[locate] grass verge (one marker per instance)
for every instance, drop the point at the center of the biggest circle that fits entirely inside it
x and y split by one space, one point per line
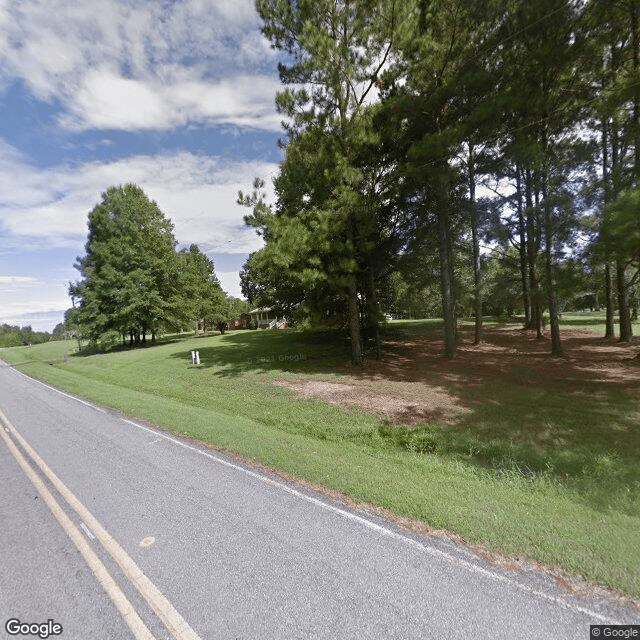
569 502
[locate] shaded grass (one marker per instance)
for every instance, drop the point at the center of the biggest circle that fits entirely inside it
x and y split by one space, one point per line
593 321
589 320
548 474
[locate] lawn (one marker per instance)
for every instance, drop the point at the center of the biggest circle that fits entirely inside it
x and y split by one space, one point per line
513 450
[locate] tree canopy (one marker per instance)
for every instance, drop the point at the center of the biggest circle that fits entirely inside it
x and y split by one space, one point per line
134 282
400 114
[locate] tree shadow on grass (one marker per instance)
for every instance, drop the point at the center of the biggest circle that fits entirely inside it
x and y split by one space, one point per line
583 322
260 351
573 420
90 349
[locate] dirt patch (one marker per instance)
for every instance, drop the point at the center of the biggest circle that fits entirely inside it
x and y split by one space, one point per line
413 384
407 403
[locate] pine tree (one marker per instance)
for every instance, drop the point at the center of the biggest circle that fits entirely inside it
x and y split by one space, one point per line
615 33
336 51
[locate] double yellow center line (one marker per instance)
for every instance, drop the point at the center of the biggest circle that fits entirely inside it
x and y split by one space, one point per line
171 619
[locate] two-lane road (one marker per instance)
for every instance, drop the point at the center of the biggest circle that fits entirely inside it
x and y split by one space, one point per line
200 546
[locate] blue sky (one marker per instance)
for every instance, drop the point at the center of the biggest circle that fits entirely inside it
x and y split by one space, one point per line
174 95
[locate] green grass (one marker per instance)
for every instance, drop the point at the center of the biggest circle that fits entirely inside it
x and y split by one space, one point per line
530 470
593 321
587 320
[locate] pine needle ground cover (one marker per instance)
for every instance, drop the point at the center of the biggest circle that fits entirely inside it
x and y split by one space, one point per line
513 450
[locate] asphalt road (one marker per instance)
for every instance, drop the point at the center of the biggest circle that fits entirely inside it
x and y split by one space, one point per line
227 551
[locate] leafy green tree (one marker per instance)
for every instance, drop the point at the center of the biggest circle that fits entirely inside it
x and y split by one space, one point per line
129 282
620 238
545 83
615 37
72 322
621 227
281 275
202 296
265 283
14 336
502 281
335 51
59 332
230 309
577 285
433 95
409 300
11 336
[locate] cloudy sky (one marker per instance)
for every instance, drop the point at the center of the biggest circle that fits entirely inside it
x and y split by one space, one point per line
174 95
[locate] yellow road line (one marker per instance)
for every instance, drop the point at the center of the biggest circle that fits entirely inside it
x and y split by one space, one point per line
137 626
172 620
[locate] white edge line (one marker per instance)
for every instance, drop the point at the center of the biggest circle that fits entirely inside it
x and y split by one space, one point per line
66 395
351 516
383 530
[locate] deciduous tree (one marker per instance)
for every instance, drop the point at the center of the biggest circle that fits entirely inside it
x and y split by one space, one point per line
128 274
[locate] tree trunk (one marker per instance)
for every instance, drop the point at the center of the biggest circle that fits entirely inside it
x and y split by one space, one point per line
354 307
373 311
626 332
532 255
526 293
354 322
635 45
477 278
446 281
552 298
608 289
537 221
477 273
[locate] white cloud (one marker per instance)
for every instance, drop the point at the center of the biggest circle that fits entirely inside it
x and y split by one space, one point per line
48 210
50 207
230 282
106 100
37 320
133 65
37 302
122 65
17 281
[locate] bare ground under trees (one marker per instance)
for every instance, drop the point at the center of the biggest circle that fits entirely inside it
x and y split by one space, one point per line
413 384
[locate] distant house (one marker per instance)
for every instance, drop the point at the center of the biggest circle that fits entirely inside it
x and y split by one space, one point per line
266 318
242 322
330 318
